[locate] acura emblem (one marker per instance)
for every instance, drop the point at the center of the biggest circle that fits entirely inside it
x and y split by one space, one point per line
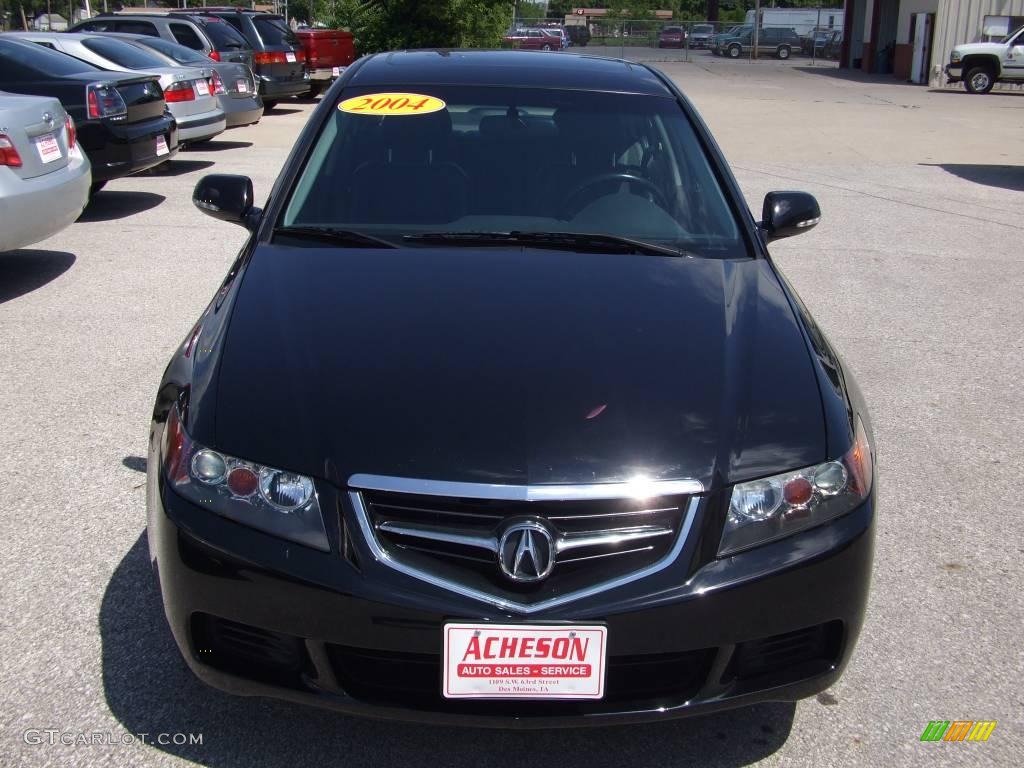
526 552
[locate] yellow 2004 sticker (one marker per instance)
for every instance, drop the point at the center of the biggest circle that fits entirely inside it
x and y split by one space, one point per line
392 104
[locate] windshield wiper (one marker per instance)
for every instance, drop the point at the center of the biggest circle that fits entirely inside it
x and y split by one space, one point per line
335 235
576 241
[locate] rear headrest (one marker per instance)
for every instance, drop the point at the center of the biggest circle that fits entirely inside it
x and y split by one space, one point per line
429 130
572 123
501 127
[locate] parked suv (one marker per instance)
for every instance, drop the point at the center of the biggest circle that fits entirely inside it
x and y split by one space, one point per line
209 35
578 34
700 34
776 41
279 62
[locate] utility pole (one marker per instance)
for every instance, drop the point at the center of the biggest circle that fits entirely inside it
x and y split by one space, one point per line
757 24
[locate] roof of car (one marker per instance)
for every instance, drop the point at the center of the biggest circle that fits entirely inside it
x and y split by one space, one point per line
527 69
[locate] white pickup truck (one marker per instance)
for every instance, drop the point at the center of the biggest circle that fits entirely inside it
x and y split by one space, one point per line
982 65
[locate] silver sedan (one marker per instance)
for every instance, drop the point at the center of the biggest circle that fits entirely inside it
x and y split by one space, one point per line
44 175
187 90
234 83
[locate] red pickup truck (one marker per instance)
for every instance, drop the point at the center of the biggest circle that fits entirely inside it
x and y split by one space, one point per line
328 52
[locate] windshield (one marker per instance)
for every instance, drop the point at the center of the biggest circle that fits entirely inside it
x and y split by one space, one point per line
123 54
523 160
176 53
1009 37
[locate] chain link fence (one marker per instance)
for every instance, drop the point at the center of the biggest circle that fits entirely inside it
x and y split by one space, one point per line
646 40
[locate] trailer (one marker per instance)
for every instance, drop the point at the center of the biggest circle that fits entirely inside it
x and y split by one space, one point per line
802 20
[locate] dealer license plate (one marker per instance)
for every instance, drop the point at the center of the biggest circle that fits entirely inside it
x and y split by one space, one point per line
202 88
523 661
289 57
335 71
47 147
241 86
161 146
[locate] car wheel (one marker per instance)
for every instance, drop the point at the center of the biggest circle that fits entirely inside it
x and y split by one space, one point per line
269 104
734 51
979 80
546 47
783 52
96 186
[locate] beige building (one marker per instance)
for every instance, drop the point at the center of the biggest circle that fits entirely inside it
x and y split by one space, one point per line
881 34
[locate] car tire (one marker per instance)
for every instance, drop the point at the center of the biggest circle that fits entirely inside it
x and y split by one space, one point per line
782 52
735 51
269 104
96 186
979 80
546 47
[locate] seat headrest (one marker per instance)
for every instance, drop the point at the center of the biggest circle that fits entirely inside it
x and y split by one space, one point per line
421 130
501 127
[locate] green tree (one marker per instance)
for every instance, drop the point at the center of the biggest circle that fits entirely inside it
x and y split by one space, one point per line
382 25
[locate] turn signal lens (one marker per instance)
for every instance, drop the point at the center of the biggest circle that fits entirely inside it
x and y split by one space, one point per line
178 92
72 132
281 503
242 482
104 101
216 85
8 154
773 507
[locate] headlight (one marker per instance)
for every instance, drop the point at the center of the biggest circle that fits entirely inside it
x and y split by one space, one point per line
954 57
773 507
280 503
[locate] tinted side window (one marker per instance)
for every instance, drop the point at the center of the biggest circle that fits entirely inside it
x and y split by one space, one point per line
234 22
224 36
273 31
185 35
137 27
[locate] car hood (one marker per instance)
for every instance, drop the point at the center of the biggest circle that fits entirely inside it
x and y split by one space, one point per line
515 366
969 48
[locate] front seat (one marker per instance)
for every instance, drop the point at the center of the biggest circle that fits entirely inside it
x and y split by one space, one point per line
411 180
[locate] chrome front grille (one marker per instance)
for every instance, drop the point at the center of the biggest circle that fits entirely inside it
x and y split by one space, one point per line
523 547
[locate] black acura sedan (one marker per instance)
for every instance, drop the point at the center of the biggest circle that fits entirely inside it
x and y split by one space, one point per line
504 416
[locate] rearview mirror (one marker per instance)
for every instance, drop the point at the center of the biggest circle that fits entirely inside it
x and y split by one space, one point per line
788 213
227 197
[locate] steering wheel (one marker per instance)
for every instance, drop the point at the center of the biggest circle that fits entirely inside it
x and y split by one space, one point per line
605 178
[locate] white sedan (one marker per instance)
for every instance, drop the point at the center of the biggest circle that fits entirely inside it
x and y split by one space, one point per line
44 175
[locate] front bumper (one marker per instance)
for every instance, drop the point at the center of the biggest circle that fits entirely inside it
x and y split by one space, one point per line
33 209
954 73
346 632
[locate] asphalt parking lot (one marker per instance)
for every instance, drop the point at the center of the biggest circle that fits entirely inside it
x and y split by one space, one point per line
916 272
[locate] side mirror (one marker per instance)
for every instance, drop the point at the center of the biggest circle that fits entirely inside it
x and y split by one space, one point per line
227 197
788 213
